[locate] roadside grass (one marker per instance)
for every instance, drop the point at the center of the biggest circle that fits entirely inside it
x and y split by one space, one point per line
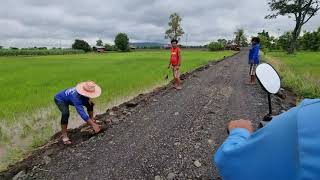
28 116
299 72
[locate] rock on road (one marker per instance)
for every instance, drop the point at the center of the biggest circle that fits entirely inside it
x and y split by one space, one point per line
174 136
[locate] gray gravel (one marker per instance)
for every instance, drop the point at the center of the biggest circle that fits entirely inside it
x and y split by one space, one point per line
171 135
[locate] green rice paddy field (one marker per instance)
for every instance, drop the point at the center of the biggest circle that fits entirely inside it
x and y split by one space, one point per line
300 72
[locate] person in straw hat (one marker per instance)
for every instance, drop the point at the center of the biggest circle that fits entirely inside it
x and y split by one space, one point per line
78 96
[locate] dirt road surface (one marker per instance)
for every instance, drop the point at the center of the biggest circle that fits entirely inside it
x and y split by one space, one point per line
167 134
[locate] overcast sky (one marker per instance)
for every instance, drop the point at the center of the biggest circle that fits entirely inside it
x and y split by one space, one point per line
27 23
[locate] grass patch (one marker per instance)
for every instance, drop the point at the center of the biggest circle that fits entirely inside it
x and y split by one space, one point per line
28 113
299 72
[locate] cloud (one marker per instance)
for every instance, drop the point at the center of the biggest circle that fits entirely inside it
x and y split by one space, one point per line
27 23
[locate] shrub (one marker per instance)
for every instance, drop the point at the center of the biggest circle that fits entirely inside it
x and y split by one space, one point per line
215 46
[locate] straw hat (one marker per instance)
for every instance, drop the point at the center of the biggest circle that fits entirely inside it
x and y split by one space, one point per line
89 89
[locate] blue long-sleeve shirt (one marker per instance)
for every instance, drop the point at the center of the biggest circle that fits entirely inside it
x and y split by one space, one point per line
288 148
72 97
254 54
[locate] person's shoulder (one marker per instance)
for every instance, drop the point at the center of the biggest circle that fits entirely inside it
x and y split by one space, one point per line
310 102
76 97
309 109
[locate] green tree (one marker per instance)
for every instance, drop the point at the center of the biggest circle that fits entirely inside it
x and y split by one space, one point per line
175 30
223 41
122 42
109 47
82 45
1 47
265 41
318 36
273 43
99 42
240 39
265 34
302 10
215 46
310 41
285 40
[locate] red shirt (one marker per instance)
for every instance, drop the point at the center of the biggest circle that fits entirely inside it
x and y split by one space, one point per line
175 56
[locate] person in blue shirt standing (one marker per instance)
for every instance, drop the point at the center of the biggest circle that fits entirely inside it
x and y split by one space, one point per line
254 59
78 97
287 148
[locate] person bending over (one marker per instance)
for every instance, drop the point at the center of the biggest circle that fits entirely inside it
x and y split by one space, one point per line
78 96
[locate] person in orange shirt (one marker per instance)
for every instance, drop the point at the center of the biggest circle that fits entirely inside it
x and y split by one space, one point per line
175 62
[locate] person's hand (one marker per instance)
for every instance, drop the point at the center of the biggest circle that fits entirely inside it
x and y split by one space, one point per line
96 128
246 124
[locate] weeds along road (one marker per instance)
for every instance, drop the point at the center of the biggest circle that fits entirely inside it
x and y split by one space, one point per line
169 134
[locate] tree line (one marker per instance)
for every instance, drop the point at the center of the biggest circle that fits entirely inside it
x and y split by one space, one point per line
37 51
308 41
121 44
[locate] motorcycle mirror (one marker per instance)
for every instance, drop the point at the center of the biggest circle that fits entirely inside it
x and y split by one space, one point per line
268 78
270 81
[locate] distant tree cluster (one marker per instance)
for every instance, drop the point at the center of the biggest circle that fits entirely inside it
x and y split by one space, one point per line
82 45
121 44
110 47
241 39
99 42
216 46
301 10
309 41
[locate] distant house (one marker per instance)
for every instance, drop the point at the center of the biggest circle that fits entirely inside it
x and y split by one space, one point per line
99 49
167 46
132 47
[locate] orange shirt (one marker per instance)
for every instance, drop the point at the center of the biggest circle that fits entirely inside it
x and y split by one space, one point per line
175 56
